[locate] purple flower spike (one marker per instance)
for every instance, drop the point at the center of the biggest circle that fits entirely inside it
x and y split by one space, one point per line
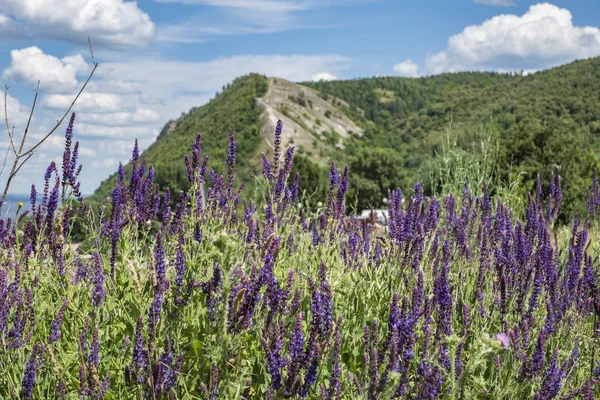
160 266
94 358
277 146
57 323
98 292
341 194
67 172
231 157
179 266
335 385
29 376
139 359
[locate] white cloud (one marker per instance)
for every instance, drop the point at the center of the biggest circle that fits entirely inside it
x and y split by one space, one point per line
163 79
113 86
123 118
500 3
108 163
541 38
407 68
87 102
122 148
113 23
30 64
323 76
87 152
131 97
130 133
18 114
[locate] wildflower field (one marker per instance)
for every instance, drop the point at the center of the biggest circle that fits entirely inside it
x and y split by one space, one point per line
219 298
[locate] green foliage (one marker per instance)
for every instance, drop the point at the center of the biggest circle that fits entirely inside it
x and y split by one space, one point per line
232 109
374 171
473 162
541 123
313 178
412 287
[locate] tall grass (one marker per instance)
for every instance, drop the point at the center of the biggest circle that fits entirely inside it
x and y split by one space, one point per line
458 299
471 163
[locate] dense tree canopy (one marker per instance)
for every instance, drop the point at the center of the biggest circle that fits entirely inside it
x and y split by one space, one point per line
541 123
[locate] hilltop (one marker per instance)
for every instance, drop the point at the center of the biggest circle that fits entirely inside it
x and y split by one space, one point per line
389 128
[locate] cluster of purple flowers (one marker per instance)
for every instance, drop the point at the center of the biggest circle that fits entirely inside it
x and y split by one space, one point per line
522 286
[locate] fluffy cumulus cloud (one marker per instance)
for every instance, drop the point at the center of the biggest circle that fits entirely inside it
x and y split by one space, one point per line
31 64
323 76
407 69
132 97
113 23
87 102
541 38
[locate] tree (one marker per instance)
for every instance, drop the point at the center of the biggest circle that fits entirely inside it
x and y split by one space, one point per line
374 172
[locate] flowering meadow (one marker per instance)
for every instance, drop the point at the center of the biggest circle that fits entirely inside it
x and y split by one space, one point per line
201 294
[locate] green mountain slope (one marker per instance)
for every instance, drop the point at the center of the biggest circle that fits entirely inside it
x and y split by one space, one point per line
234 108
389 129
251 106
544 122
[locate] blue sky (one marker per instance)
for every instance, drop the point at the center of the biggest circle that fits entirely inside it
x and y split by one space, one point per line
159 58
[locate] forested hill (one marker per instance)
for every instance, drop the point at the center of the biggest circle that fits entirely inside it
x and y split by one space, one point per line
543 122
388 129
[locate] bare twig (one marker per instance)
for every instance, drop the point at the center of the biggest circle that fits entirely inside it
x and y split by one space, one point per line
4 162
59 122
18 156
37 91
10 136
29 153
19 167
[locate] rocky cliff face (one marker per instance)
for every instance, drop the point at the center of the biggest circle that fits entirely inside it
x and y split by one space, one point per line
169 127
311 123
314 126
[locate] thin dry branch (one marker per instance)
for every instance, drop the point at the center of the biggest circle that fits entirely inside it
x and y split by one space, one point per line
4 162
19 167
10 136
29 153
37 92
64 115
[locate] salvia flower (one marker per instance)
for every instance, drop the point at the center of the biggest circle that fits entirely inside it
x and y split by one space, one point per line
139 358
98 292
94 357
231 156
57 323
159 263
30 370
334 381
